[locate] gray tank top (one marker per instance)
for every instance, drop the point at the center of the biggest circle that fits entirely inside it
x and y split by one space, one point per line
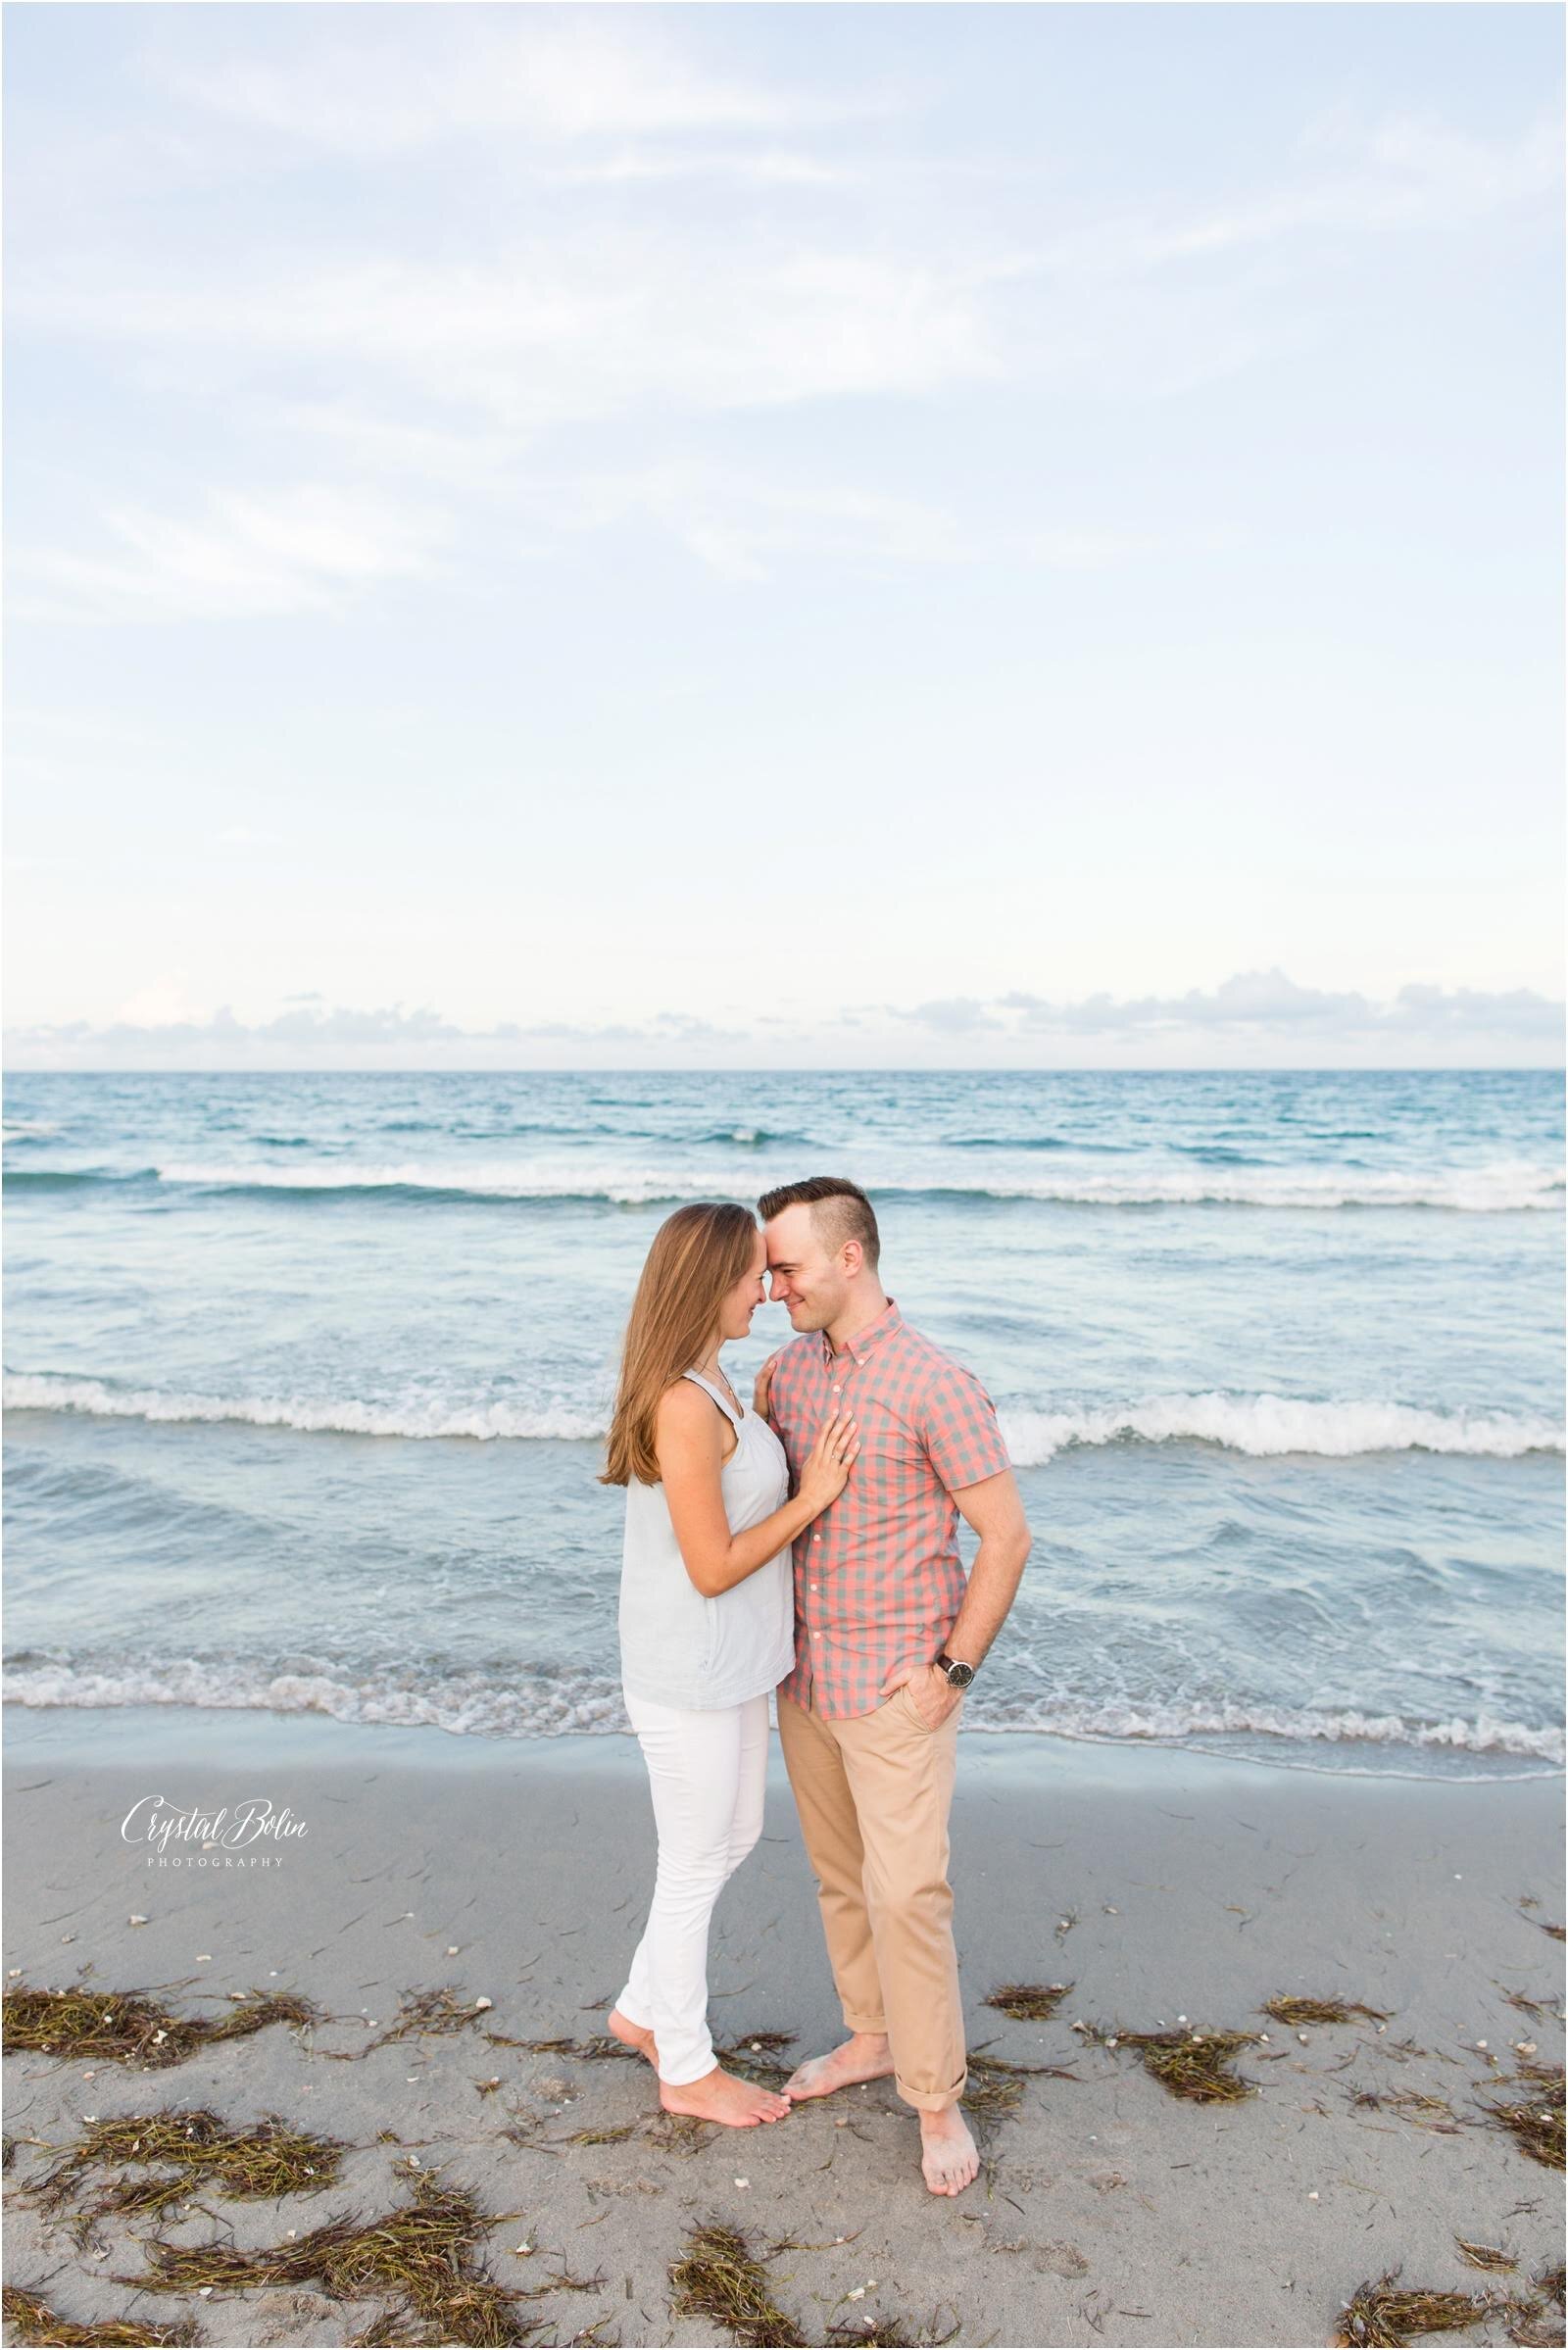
678 1647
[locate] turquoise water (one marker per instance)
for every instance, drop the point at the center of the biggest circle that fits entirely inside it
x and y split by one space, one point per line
304 1377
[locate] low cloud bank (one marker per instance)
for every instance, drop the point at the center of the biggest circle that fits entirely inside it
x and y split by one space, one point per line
1256 1018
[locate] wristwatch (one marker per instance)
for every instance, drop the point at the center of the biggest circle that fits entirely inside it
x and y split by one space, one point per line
958 1676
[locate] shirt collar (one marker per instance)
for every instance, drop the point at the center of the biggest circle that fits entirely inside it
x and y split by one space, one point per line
860 1346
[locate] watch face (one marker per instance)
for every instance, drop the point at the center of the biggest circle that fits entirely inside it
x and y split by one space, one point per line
960 1676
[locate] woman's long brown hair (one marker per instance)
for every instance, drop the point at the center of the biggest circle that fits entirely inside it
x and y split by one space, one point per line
698 1253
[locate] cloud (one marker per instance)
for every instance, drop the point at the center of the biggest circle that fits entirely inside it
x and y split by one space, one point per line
449 359
1248 1020
245 557
561 76
587 324
1347 177
1269 1004
157 1029
952 1015
740 524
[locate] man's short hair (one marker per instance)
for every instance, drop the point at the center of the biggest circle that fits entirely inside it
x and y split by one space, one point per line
840 1212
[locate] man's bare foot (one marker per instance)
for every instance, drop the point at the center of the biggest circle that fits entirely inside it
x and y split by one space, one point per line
864 2056
948 2154
633 2036
718 2096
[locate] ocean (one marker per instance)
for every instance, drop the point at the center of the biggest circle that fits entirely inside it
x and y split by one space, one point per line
306 1376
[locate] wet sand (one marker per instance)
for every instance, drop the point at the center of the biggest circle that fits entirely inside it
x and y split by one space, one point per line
1161 1886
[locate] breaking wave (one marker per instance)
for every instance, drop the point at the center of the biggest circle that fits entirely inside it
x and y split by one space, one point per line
1261 1425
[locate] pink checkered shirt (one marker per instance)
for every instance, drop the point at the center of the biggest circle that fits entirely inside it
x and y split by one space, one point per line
878 1580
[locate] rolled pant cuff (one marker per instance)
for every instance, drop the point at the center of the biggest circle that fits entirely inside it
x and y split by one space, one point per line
866 2023
684 2078
932 2101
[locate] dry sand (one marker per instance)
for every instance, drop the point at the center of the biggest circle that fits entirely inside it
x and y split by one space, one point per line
1160 1885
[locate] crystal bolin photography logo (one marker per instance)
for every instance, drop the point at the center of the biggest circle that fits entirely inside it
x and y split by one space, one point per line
245 1835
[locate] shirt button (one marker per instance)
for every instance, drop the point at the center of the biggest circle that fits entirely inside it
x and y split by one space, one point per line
838 1389
814 1586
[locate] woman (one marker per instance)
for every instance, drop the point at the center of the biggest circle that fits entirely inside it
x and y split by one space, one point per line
707 1622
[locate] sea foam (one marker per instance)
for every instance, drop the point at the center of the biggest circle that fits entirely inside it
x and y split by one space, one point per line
1498 1188
548 1706
1260 1425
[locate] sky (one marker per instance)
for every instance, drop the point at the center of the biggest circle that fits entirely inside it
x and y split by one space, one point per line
783 535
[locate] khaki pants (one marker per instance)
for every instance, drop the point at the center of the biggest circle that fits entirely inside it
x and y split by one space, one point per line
873 1792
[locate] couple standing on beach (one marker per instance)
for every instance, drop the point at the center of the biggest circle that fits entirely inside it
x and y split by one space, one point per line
862 1446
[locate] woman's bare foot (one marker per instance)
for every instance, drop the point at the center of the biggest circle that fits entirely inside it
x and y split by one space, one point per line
864 2056
633 2036
718 2096
948 2154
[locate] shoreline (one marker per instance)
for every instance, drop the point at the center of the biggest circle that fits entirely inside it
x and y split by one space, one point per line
263 1730
1156 1885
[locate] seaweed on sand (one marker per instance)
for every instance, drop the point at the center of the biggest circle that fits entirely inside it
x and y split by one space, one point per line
1377 2316
1537 2008
720 2277
1287 2007
755 2056
1528 2319
421 2012
1422 2111
420 2256
565 2283
886 2334
1484 2256
126 2027
994 2086
1029 2002
1533 2119
597 2050
1196 2064
195 2150
36 2323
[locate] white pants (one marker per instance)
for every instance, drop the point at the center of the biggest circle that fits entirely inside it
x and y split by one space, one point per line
708 1770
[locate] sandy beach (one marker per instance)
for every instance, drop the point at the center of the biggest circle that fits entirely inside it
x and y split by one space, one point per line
1167 1892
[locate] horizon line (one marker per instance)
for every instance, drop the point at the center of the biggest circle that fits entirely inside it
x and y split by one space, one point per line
857 1069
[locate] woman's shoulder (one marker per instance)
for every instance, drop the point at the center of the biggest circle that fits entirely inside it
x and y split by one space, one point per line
687 1412
684 1404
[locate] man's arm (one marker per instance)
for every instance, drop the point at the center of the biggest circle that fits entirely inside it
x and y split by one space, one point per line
994 1507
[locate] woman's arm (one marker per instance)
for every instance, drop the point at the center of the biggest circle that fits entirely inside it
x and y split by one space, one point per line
691 1460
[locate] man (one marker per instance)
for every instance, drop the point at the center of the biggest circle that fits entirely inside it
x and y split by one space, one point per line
888 1636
